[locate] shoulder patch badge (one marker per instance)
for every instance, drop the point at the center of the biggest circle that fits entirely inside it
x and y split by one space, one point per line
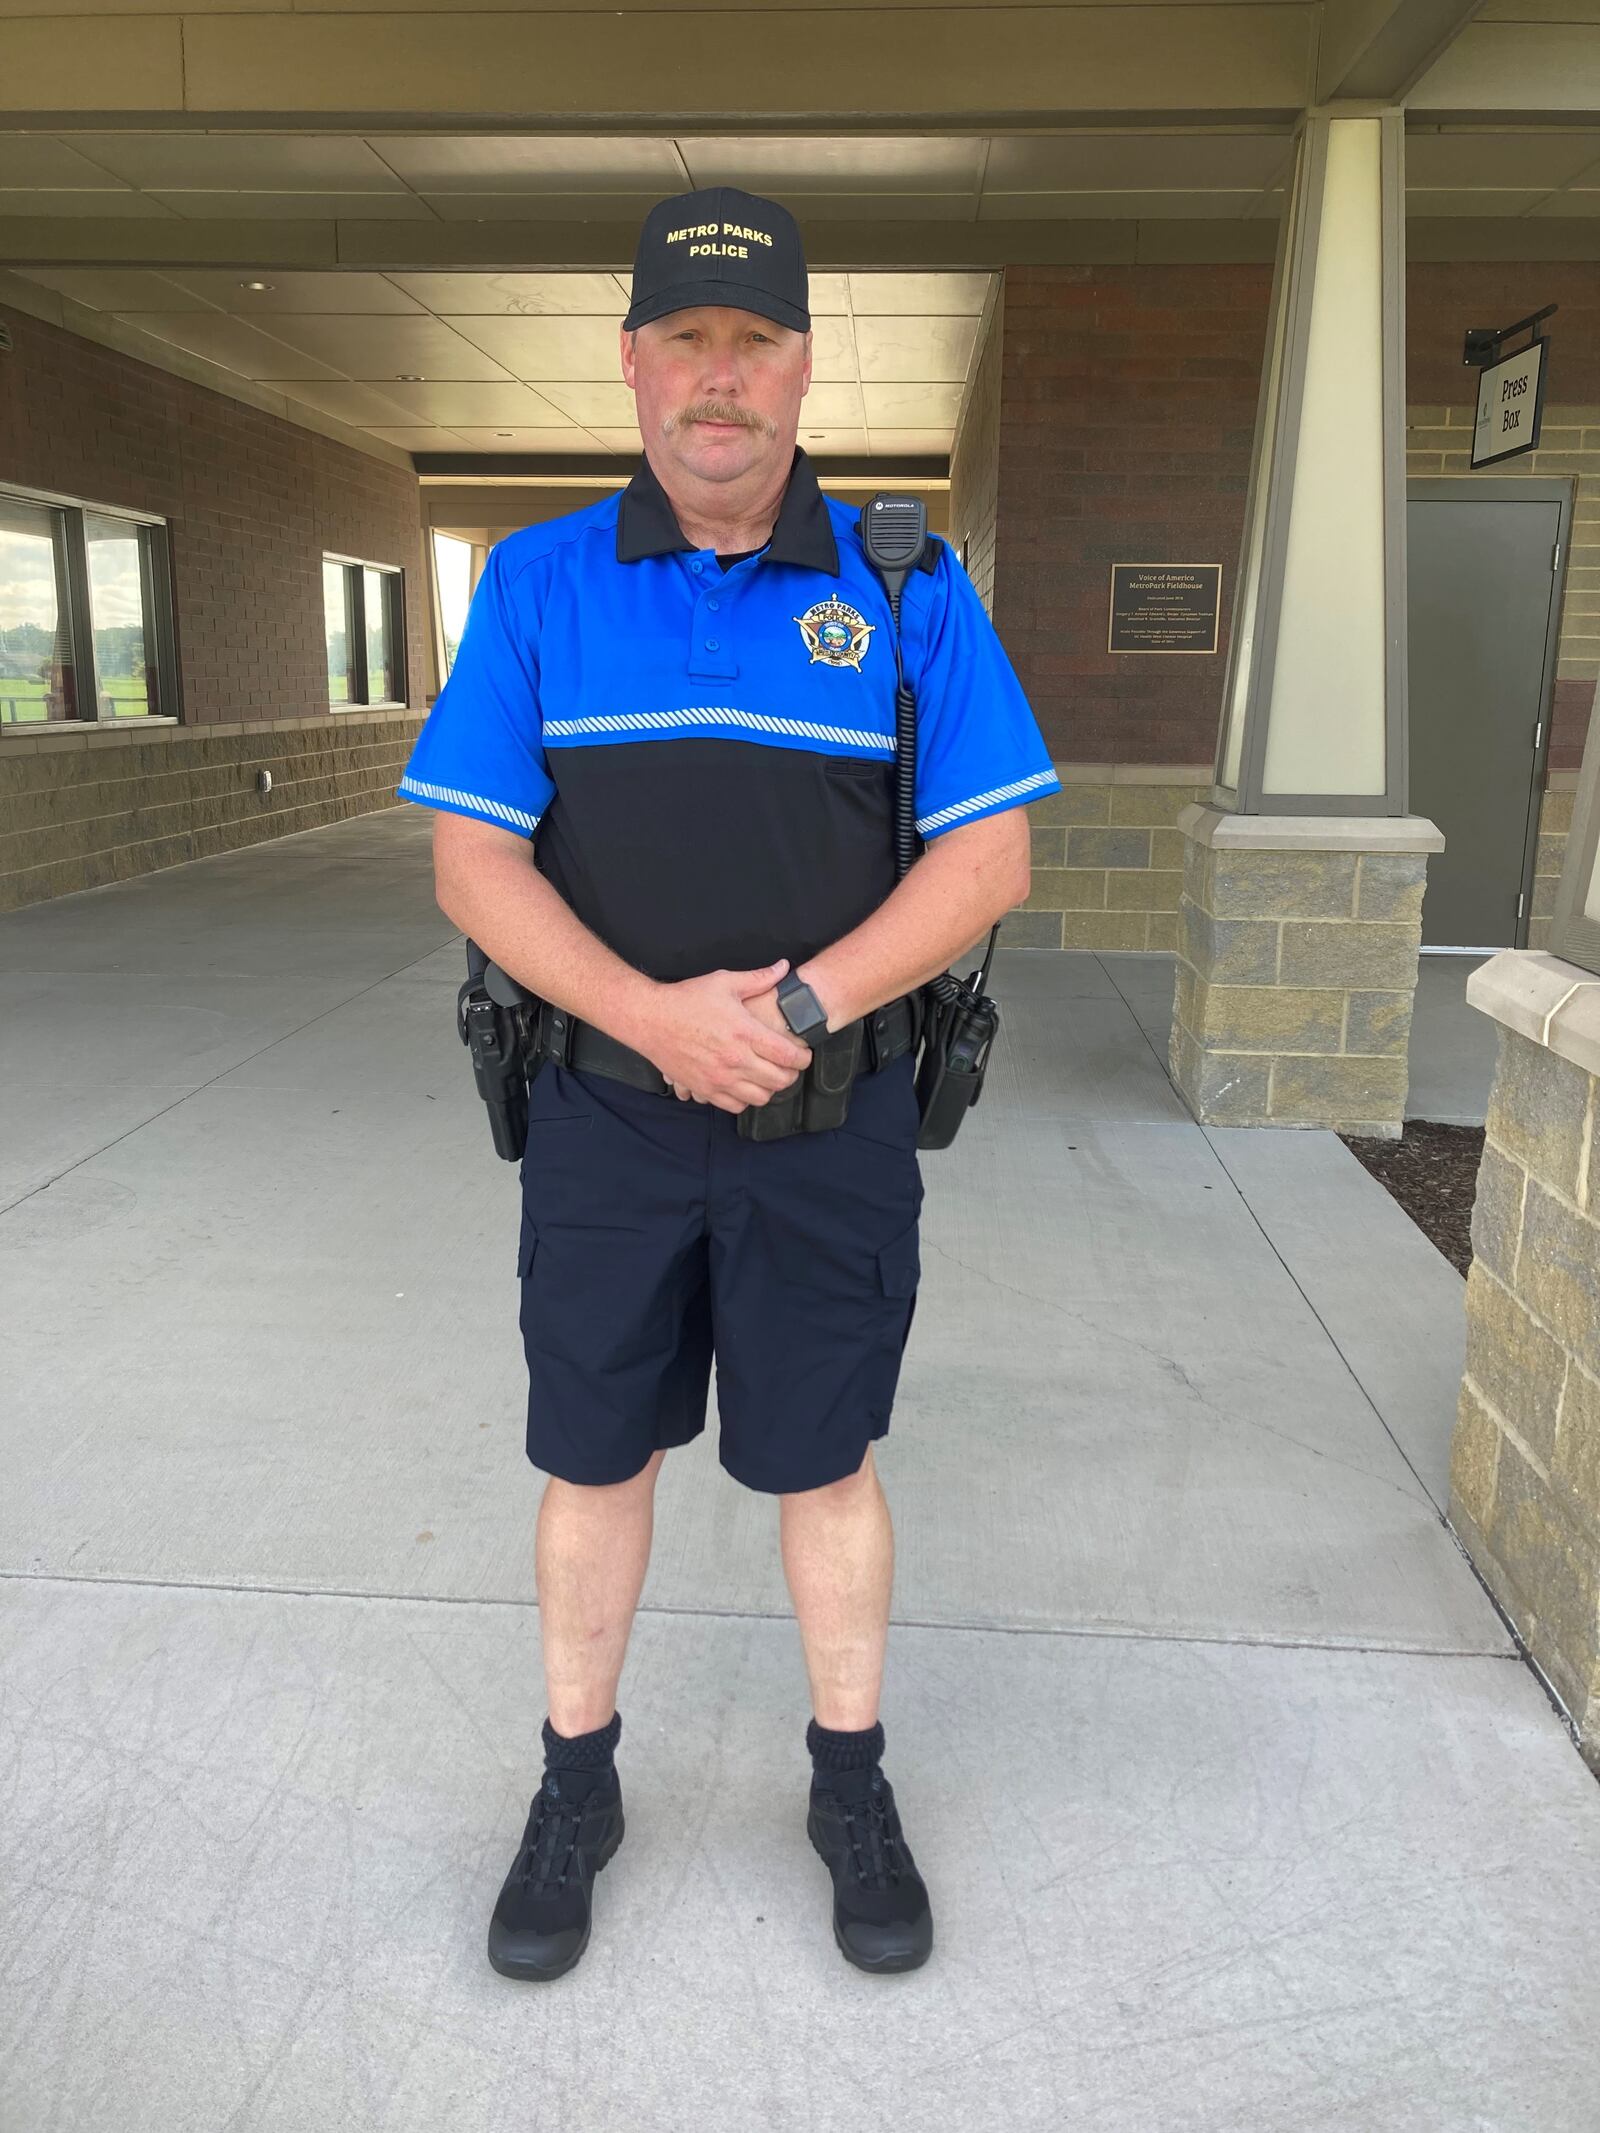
835 634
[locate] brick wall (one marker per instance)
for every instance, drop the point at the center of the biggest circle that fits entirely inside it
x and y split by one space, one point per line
1128 401
975 457
252 502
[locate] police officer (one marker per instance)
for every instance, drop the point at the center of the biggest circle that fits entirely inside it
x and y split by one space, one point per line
662 767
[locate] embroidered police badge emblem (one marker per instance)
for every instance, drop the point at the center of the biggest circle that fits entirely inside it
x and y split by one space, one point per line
835 634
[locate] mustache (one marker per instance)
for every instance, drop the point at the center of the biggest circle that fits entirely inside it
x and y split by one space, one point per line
720 411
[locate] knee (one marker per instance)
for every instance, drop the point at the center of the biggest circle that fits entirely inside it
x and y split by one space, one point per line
838 1494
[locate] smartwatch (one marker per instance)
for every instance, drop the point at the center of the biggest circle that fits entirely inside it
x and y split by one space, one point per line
801 1009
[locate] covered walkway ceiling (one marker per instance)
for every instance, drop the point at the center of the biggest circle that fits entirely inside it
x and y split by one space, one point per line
517 363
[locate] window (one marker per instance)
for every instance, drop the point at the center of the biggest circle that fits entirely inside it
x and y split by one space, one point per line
85 614
363 609
452 578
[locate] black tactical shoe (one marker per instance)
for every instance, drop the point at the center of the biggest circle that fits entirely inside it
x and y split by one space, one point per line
881 1917
540 1925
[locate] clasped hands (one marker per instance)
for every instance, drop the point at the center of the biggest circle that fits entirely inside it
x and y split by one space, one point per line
721 1039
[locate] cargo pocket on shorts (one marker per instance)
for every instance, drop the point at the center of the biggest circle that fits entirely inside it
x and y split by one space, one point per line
900 1265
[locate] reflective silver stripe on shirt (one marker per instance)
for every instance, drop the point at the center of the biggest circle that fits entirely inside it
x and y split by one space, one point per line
518 817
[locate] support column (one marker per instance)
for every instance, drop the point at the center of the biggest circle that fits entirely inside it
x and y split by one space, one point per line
1300 917
1525 1457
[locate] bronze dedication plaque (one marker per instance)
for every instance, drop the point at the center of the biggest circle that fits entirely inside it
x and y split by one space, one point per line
1164 607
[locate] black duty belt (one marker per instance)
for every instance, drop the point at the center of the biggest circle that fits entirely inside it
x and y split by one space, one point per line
860 1047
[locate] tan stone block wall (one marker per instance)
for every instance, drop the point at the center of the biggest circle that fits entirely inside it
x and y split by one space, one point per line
1525 1458
1295 977
1108 858
80 810
1555 820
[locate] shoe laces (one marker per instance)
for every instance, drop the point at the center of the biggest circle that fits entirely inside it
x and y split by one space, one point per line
874 1848
551 1838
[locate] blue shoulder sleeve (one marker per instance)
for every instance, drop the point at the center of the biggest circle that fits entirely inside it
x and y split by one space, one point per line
979 748
481 752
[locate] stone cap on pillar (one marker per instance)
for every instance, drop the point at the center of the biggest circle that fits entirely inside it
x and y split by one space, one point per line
1549 1001
1309 833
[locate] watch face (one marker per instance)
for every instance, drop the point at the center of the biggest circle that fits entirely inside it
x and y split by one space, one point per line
802 1010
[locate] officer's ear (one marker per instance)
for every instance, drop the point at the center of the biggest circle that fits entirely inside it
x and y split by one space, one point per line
629 350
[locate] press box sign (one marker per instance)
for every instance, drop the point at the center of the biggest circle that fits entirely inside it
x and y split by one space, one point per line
1510 403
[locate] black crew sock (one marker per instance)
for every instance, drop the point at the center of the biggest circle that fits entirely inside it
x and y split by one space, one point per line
844 1762
581 1760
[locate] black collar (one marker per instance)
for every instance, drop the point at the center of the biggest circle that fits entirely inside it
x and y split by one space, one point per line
803 532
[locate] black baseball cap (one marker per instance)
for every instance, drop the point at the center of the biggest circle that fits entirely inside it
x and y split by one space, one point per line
720 246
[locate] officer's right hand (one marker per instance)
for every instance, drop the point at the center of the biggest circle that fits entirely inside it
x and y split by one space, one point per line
710 1046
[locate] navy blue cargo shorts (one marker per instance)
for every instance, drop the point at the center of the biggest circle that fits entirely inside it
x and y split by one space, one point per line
655 1240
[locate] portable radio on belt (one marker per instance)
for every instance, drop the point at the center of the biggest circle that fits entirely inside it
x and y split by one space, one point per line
959 1020
954 1021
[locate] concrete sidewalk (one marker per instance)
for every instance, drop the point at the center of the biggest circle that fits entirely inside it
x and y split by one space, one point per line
1238 1808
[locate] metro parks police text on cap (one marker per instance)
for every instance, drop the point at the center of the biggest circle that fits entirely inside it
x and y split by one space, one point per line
720 246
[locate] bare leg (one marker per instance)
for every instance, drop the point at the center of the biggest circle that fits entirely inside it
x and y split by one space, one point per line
592 1551
838 1556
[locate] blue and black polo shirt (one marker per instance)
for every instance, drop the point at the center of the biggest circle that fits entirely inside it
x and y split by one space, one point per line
701 747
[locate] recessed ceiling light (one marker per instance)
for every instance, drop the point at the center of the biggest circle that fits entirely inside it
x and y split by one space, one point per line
408 377
260 287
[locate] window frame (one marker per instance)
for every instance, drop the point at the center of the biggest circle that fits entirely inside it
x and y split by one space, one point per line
153 534
354 569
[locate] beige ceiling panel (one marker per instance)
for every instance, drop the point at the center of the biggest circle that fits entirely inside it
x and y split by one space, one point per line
1522 161
416 440
357 404
611 405
809 208
503 407
1515 66
1421 201
275 207
491 295
777 62
126 206
830 294
36 159
51 64
230 342
623 441
896 349
1570 203
1123 162
117 289
561 348
557 437
911 407
529 205
1540 11
819 443
912 443
379 349
832 407
241 162
833 351
837 164
343 295
918 295
564 163
1115 207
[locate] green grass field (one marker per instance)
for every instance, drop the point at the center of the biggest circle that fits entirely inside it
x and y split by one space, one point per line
21 700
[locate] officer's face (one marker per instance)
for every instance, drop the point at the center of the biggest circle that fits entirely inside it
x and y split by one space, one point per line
718 391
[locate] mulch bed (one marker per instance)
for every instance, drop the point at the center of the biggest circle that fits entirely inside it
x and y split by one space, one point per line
1433 1172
